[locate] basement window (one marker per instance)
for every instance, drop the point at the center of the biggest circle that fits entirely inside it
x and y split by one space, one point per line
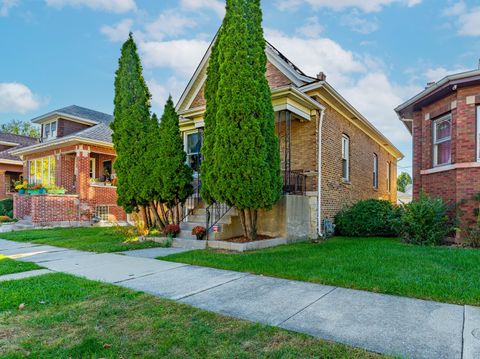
442 138
102 213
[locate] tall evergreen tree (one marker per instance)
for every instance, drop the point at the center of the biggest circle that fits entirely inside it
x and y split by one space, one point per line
246 175
211 88
132 122
175 175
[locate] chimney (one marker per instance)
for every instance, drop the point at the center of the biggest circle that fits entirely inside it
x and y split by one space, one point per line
321 76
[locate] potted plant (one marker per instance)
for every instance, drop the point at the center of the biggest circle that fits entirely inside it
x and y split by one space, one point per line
56 190
171 230
35 189
199 232
21 187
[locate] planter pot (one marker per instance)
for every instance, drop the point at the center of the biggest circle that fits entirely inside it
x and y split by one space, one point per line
200 236
21 191
56 191
42 191
33 191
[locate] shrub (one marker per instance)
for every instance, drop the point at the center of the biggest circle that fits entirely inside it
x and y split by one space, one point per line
472 236
6 207
425 221
5 219
368 218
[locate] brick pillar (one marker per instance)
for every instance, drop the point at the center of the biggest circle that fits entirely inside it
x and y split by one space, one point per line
82 173
3 192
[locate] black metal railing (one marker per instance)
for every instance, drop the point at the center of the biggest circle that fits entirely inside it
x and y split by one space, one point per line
215 212
294 183
192 202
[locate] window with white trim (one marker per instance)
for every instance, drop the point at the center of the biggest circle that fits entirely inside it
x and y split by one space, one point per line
442 139
345 158
42 171
102 213
389 176
375 171
50 130
478 133
92 168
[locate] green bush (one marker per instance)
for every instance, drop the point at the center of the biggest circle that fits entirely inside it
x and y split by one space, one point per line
425 221
6 207
369 218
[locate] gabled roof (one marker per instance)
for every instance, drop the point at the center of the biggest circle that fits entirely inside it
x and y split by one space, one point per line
78 113
16 142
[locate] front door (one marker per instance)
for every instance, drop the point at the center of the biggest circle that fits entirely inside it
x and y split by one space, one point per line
193 145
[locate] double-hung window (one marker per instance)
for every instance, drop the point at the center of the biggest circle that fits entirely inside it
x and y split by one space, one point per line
442 138
375 171
50 130
389 176
345 158
478 133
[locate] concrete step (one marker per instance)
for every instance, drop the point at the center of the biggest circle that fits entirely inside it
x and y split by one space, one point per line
189 243
203 212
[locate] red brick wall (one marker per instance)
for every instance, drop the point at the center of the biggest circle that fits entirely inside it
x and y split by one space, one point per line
455 184
67 127
54 208
21 206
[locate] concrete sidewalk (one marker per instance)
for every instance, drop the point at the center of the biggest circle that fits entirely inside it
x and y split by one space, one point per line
386 324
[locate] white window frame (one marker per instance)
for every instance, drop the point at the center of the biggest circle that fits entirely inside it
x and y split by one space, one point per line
389 176
31 176
93 168
51 134
346 157
375 171
436 142
478 133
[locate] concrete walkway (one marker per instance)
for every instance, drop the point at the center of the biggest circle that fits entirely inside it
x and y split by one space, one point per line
386 324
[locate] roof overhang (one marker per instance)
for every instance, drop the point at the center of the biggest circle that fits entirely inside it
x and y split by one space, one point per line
6 143
10 162
356 117
436 91
51 116
58 143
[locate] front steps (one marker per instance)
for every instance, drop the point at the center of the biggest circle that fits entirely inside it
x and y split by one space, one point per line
199 218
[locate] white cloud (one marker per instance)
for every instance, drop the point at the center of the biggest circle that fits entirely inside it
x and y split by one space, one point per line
116 6
216 5
438 73
6 5
467 20
312 28
17 98
182 56
160 92
364 5
118 32
169 23
359 24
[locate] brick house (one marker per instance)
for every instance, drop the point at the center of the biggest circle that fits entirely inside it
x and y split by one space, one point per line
331 155
11 167
75 153
444 120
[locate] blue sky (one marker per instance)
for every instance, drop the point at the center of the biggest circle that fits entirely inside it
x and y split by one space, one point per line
377 53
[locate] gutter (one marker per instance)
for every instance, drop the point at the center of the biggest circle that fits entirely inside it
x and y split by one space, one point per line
319 177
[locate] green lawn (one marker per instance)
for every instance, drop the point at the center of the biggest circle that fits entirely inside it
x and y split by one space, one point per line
92 239
9 266
69 317
375 264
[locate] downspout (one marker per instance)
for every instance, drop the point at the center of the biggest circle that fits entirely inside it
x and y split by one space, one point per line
319 176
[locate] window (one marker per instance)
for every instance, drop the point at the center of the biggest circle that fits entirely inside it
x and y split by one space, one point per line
92 168
107 170
193 146
375 170
50 130
102 213
478 133
345 158
442 136
389 176
42 171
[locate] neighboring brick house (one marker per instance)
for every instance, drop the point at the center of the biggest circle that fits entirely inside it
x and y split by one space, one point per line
444 120
319 132
75 153
11 167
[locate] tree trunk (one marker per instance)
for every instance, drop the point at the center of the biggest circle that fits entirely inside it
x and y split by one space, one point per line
158 220
177 209
164 214
243 221
147 216
143 213
253 228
